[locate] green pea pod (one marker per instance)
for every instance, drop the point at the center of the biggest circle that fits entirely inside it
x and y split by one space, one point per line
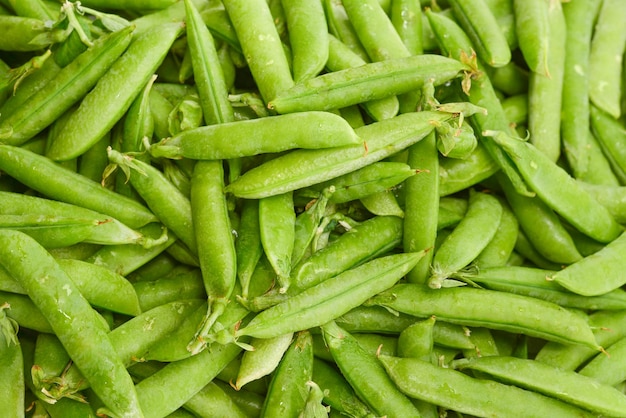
607 43
366 375
196 372
542 226
170 205
456 175
59 298
213 398
287 394
267 61
370 179
306 227
25 313
545 93
67 88
263 360
532 29
422 380
43 175
331 298
124 259
608 328
360 84
258 136
575 94
481 26
338 393
584 278
277 220
340 27
181 284
406 17
611 197
27 34
248 244
610 368
558 190
382 203
123 5
499 249
566 385
302 168
478 225
215 241
491 309
416 341
534 282
103 106
308 37
11 360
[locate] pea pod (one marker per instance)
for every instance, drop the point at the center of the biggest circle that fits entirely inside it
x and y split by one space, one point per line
287 394
332 298
478 225
491 309
559 190
301 168
263 360
568 386
113 93
457 391
258 136
61 301
535 282
43 175
11 359
361 84
67 88
366 375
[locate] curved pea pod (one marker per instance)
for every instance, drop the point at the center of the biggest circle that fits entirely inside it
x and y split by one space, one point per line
366 375
114 93
499 250
287 392
559 190
25 313
481 397
72 320
490 309
11 367
598 273
302 168
68 87
361 84
535 282
331 298
568 386
50 179
477 226
258 136
532 28
263 360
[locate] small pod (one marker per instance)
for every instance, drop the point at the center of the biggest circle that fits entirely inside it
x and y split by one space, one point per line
263 360
361 84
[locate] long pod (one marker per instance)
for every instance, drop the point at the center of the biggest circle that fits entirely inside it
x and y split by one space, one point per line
490 309
72 319
332 298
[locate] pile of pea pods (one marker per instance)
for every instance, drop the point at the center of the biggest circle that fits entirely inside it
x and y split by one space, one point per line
308 209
